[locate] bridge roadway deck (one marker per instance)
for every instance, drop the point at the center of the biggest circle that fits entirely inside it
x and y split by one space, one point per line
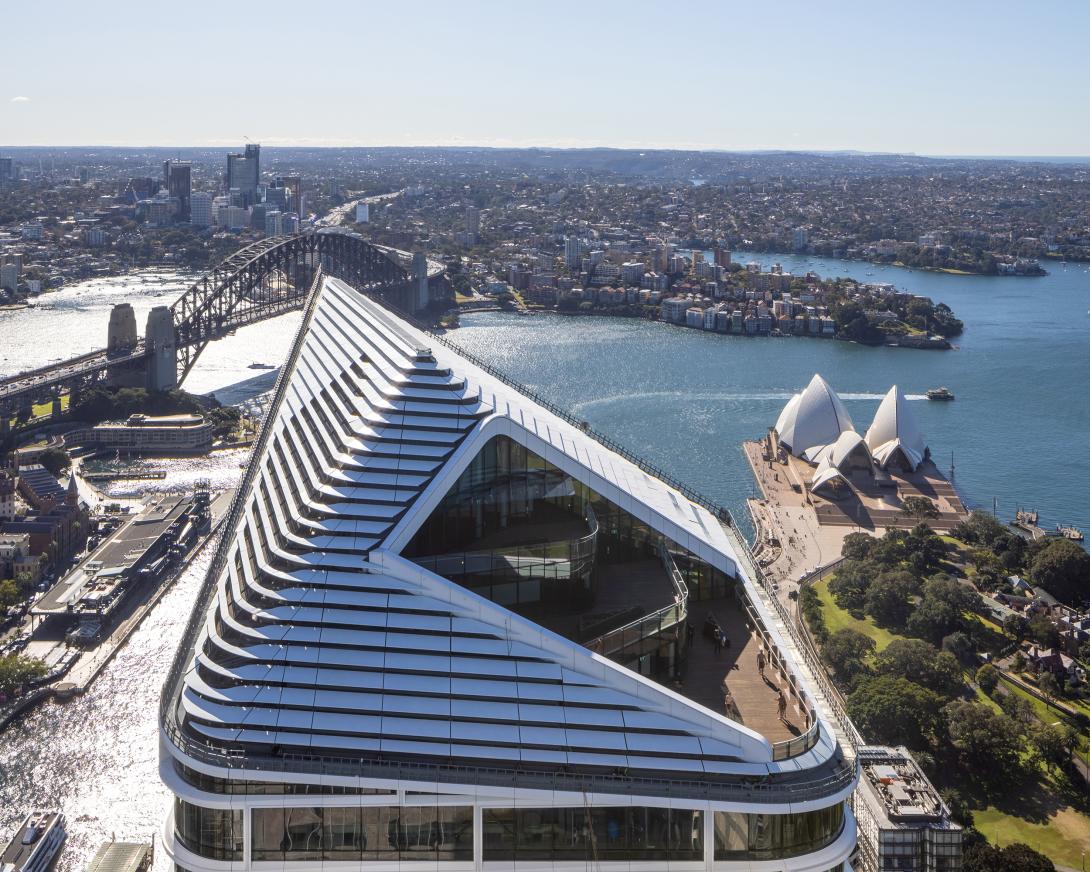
202 314
58 373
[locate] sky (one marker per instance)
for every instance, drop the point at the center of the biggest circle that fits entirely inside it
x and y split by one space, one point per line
957 77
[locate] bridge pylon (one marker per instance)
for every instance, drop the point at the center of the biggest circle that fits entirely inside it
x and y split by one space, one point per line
162 344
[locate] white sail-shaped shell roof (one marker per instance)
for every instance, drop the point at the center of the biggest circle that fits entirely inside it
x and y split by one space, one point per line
825 474
895 432
848 444
812 420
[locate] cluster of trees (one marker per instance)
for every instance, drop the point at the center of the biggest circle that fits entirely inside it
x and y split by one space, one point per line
620 310
916 313
16 670
1058 565
914 691
913 694
110 404
970 259
1063 569
190 246
14 590
896 581
979 856
56 460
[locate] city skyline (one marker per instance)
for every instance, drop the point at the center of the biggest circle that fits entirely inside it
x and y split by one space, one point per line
708 77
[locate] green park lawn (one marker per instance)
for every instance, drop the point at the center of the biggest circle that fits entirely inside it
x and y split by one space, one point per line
43 410
1042 812
1061 832
837 618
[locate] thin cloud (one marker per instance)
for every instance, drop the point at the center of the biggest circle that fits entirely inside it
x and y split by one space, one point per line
20 99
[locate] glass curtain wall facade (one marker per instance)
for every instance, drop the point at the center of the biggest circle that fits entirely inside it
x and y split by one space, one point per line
366 833
510 493
513 528
445 833
216 833
592 834
741 836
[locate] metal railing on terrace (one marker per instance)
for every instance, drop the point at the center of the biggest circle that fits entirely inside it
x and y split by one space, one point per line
772 789
789 788
654 624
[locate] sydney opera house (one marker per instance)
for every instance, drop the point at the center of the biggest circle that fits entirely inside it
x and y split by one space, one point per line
448 628
815 426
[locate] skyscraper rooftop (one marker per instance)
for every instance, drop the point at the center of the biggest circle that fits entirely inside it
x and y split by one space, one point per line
432 585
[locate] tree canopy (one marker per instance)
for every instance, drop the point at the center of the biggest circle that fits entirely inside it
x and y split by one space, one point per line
989 744
887 598
1017 857
16 670
921 663
1063 569
847 651
56 460
918 507
894 711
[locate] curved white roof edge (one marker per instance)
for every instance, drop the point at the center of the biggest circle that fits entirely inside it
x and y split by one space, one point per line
328 447
895 427
825 474
841 451
813 419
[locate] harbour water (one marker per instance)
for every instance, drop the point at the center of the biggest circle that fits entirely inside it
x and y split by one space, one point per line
97 756
74 320
683 399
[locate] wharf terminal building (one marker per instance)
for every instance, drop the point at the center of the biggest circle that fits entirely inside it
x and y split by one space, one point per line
446 628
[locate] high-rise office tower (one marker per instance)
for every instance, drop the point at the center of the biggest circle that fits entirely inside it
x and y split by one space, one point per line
244 172
473 221
274 223
200 214
178 179
294 184
448 628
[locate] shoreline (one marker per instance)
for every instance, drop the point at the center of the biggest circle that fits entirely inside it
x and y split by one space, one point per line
945 345
30 300
896 263
83 671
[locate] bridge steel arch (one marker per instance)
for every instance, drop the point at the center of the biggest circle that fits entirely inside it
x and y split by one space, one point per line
273 276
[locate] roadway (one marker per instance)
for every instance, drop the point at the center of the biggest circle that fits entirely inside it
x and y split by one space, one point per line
37 380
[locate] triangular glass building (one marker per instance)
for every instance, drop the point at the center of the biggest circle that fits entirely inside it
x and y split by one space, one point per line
447 628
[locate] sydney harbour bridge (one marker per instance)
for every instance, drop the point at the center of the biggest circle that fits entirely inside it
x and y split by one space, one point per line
262 280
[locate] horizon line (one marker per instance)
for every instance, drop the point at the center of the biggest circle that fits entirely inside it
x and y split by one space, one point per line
823 152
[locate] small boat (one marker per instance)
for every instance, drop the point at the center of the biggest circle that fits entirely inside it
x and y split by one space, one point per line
1070 532
36 843
256 365
943 393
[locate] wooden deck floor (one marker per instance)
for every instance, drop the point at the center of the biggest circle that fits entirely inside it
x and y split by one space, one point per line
706 672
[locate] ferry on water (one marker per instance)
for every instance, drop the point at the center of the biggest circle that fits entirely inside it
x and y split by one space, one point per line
943 393
257 365
36 844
